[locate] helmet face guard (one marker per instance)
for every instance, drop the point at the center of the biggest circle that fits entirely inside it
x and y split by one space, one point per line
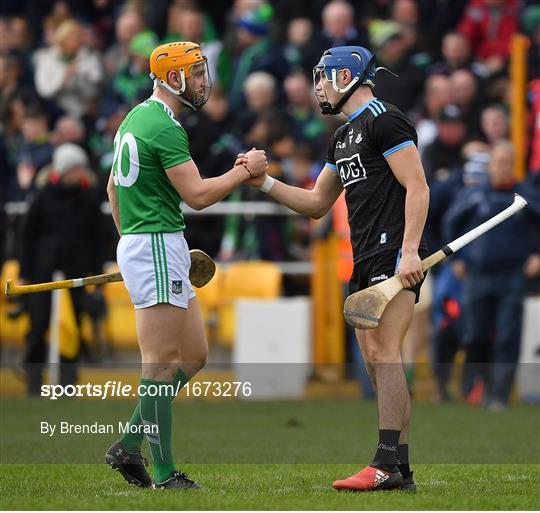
191 64
358 60
198 85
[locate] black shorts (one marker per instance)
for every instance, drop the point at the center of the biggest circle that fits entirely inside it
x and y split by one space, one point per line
379 267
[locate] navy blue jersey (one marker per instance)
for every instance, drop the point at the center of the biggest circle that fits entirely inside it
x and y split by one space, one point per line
375 199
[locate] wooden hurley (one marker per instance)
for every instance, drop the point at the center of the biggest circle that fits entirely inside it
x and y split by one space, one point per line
364 309
201 272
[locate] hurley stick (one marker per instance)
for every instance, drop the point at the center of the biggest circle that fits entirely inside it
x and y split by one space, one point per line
364 308
201 272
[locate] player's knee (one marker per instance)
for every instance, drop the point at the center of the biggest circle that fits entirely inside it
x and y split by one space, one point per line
198 358
159 371
203 356
379 353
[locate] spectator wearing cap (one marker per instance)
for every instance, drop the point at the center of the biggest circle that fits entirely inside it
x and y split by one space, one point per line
495 268
392 52
63 231
68 74
255 52
444 153
443 165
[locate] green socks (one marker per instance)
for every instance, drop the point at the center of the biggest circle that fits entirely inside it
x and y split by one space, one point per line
132 441
156 416
154 410
180 378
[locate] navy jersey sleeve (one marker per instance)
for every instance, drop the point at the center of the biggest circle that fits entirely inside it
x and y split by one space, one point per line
392 131
330 159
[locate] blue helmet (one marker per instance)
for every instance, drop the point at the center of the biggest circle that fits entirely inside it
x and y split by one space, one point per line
359 60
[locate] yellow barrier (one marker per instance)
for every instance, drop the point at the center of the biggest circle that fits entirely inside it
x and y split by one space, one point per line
328 324
518 80
253 279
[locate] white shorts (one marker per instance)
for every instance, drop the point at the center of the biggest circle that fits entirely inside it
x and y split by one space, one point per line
155 268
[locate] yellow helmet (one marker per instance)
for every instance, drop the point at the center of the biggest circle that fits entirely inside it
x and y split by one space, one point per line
186 58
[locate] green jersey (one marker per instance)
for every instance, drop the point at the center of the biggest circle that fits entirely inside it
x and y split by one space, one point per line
148 141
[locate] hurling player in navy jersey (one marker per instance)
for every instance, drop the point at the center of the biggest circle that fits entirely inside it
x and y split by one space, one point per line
375 159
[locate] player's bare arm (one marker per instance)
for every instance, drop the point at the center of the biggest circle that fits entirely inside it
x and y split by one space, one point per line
113 201
314 203
199 193
408 170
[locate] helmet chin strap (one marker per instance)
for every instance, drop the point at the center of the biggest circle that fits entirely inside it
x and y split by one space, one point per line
327 108
177 93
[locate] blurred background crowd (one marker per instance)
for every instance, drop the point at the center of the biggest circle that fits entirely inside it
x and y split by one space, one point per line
71 70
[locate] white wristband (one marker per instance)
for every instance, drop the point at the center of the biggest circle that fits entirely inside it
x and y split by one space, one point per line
267 184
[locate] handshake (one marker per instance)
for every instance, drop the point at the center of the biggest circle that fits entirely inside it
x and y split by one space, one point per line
256 165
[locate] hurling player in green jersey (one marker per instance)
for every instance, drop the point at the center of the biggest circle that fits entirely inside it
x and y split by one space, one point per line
152 172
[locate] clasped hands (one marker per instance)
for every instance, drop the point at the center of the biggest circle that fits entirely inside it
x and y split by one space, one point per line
256 165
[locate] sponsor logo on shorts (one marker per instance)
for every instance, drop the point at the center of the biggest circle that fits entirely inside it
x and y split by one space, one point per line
384 238
176 286
381 277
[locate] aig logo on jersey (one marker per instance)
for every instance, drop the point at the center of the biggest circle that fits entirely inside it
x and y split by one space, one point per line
351 170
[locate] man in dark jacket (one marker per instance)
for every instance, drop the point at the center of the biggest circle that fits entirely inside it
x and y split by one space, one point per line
63 231
497 267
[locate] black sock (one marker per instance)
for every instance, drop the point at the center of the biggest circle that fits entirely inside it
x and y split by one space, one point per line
403 460
386 455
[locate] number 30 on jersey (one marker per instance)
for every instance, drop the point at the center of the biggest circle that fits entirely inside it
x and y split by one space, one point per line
351 170
125 173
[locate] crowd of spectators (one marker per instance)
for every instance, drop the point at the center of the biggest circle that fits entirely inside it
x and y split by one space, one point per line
70 71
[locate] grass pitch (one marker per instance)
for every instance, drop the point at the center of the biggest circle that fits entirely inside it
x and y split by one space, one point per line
273 455
269 487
